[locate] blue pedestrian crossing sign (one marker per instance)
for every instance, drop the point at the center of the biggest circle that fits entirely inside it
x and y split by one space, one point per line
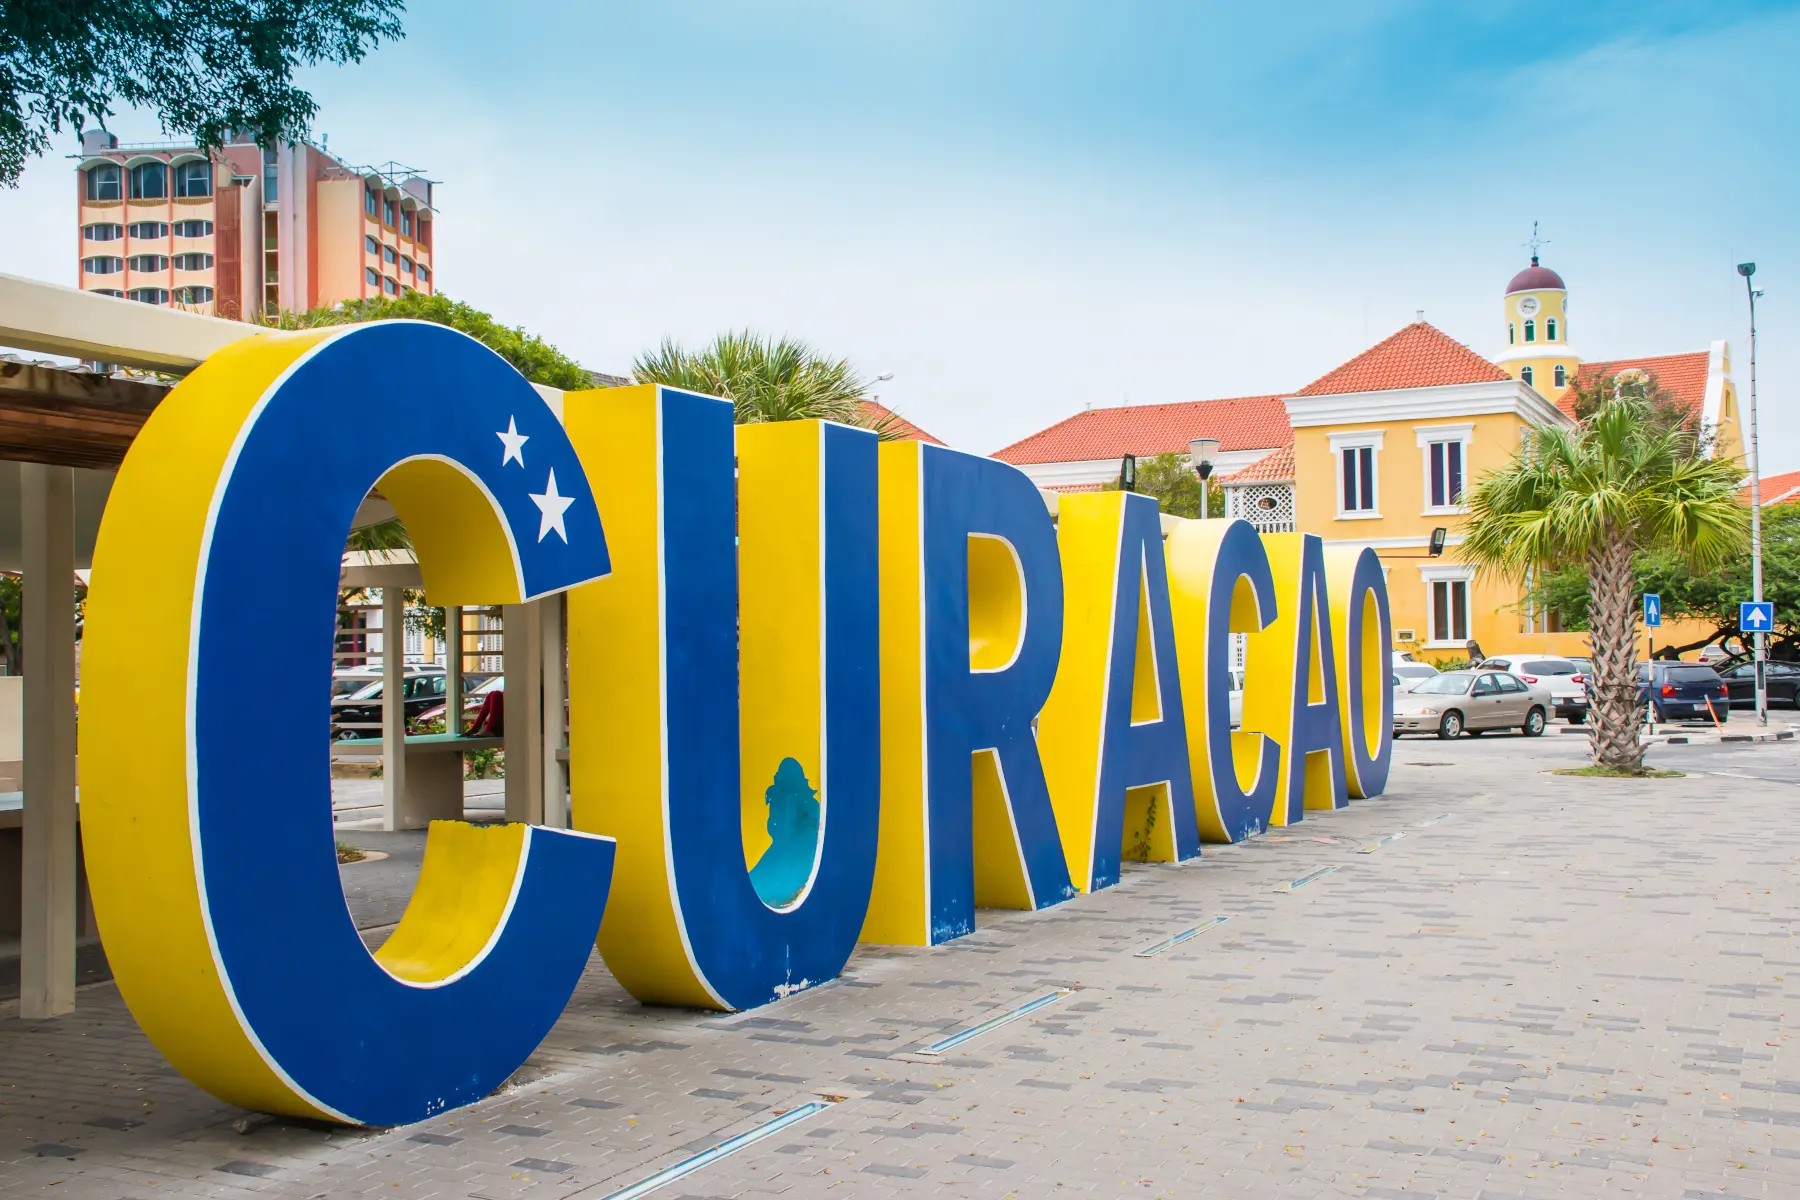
1652 610
1756 616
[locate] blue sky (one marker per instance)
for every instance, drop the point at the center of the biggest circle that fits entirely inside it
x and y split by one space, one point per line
1022 208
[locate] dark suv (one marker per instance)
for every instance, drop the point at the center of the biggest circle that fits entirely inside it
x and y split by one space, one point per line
1682 690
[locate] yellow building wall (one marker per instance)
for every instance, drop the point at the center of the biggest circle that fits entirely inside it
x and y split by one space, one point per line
1552 306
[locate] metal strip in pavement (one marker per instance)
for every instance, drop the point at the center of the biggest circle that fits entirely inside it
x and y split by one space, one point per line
1378 843
1315 873
1179 938
1030 1006
688 1166
1432 820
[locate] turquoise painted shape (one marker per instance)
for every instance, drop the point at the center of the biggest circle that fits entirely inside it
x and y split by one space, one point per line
787 864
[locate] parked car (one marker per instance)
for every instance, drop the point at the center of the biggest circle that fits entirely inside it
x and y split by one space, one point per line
474 692
346 680
1474 702
1406 674
359 713
1403 656
1563 676
1782 679
1679 690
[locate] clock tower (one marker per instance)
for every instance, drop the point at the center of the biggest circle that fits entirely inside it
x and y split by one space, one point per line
1537 332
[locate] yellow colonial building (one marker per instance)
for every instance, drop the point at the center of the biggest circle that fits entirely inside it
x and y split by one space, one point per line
1380 451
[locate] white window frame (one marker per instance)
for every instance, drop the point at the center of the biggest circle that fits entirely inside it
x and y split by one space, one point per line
1429 435
1371 440
1447 574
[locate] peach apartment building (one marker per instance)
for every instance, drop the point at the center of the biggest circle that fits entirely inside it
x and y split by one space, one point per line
248 232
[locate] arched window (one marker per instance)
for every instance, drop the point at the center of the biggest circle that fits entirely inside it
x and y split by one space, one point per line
1512 333
1530 329
149 295
149 181
103 182
1525 372
193 179
1562 376
1549 329
193 295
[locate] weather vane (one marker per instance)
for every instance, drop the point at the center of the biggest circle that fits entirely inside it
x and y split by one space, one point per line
1535 242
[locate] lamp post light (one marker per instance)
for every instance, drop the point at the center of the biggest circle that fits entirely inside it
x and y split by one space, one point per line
1202 452
1754 463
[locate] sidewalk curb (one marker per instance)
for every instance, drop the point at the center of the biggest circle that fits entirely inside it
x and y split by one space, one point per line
1699 739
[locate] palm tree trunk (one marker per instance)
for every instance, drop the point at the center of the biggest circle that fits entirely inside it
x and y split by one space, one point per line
1613 628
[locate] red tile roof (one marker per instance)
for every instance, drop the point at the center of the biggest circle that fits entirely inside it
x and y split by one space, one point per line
1243 423
1682 374
1420 355
1277 466
1778 489
876 414
1070 489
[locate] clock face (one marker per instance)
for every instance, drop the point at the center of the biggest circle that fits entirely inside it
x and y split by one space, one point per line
1528 305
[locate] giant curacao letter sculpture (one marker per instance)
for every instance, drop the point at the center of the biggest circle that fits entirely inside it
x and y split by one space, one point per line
822 691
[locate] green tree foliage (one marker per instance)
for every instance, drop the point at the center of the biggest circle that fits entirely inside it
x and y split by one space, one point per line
1710 597
1620 484
765 379
534 358
206 67
1171 479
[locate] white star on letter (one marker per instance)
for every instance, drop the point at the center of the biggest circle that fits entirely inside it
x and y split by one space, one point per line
514 441
552 506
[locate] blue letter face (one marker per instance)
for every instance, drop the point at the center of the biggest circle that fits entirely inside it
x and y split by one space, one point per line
1364 630
1298 650
745 806
1219 585
1114 733
972 625
208 819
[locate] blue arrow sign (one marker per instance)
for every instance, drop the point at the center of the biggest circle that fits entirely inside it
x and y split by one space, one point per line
1652 610
1756 616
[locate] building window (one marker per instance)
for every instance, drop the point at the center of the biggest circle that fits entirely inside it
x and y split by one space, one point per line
103 182
424 232
271 181
193 179
103 265
370 277
424 273
102 233
193 262
193 295
1450 610
153 231
150 181
369 202
115 293
193 229
1511 333
1530 329
149 262
406 222
1562 376
1358 464
1525 376
387 212
390 287
406 264
1549 329
389 255
370 245
1446 468
150 295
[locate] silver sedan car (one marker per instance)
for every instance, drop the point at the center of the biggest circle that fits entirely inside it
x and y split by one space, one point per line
1473 702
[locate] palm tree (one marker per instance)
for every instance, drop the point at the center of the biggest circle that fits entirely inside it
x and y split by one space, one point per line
765 380
1622 481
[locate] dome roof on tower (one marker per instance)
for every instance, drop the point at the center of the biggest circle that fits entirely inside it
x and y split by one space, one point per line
1535 279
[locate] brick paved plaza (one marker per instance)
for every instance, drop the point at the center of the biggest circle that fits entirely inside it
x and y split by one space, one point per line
1547 987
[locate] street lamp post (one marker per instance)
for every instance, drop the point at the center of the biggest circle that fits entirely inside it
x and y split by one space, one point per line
1202 452
1754 463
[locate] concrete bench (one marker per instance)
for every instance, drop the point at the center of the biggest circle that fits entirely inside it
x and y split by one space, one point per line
433 788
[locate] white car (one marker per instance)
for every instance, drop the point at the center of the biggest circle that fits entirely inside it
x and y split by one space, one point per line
1563 676
1408 674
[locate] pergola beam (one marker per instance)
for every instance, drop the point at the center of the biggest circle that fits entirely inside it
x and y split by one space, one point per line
51 319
